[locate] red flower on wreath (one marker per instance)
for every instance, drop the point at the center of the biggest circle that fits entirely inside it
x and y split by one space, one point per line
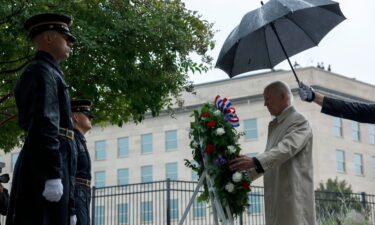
211 124
205 115
210 148
245 185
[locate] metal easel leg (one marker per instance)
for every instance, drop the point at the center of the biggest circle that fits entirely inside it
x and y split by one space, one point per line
199 185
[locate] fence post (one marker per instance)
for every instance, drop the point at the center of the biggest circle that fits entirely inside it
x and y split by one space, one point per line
168 201
93 190
363 200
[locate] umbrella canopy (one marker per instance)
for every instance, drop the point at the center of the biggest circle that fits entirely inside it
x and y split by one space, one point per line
274 32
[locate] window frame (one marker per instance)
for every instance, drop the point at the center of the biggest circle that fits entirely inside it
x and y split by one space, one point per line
167 140
145 143
100 153
251 129
120 149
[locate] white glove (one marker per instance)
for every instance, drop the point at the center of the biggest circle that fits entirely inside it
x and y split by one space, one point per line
53 190
73 220
306 92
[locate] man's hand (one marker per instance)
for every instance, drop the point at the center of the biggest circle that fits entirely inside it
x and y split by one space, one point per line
73 220
242 162
53 190
306 92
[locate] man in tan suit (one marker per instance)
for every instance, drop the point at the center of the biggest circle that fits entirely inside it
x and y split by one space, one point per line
286 164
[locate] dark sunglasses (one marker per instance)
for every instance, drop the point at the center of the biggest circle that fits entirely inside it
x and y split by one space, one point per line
87 113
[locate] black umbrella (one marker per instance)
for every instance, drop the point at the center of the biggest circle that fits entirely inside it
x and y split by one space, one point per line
277 30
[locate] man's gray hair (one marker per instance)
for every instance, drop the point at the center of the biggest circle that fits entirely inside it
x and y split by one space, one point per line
281 87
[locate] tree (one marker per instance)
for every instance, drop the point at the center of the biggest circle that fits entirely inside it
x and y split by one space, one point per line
335 200
131 58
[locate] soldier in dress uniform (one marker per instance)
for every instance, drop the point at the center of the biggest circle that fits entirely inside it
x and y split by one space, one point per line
42 186
82 117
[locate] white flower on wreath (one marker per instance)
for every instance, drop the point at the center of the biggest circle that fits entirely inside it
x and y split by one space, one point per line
194 144
237 177
229 187
219 131
217 113
231 149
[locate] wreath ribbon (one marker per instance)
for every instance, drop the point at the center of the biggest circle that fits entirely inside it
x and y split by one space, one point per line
224 105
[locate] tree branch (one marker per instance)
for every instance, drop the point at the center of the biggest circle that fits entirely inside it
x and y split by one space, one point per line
13 117
5 97
14 70
17 60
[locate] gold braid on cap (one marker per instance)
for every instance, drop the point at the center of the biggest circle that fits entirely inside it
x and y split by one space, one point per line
51 23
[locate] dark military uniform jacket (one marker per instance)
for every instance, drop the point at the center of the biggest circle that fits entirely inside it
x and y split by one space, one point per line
83 157
43 109
82 192
360 112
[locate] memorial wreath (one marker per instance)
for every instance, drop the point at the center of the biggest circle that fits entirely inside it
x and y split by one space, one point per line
214 141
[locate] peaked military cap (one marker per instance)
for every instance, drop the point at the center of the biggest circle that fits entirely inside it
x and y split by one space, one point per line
83 106
49 21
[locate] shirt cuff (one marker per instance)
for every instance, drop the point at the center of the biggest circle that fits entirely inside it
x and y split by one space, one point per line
258 166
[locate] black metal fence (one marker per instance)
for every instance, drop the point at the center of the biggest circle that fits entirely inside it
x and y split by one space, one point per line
163 203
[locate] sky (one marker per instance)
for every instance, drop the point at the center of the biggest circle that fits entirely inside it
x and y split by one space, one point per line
349 48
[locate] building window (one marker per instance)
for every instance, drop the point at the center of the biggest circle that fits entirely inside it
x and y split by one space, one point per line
255 203
174 209
99 215
171 171
251 130
123 213
355 131
371 133
358 164
340 161
199 209
146 211
146 174
171 140
100 179
123 176
337 127
146 142
123 147
13 160
100 152
373 166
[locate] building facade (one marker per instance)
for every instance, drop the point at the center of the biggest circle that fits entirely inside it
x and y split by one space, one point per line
156 148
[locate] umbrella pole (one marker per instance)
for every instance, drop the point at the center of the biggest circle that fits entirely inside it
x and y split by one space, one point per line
286 55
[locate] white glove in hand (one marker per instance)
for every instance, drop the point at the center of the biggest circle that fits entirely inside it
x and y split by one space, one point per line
73 220
306 92
53 190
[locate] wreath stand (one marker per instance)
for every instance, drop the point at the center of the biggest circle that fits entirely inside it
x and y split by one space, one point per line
217 207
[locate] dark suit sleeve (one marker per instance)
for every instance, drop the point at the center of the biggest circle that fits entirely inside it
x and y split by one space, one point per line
360 112
4 201
45 123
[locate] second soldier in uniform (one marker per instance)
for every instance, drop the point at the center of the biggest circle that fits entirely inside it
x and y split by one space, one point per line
82 117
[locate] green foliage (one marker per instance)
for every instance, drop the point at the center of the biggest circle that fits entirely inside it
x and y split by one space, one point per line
131 57
215 143
335 201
